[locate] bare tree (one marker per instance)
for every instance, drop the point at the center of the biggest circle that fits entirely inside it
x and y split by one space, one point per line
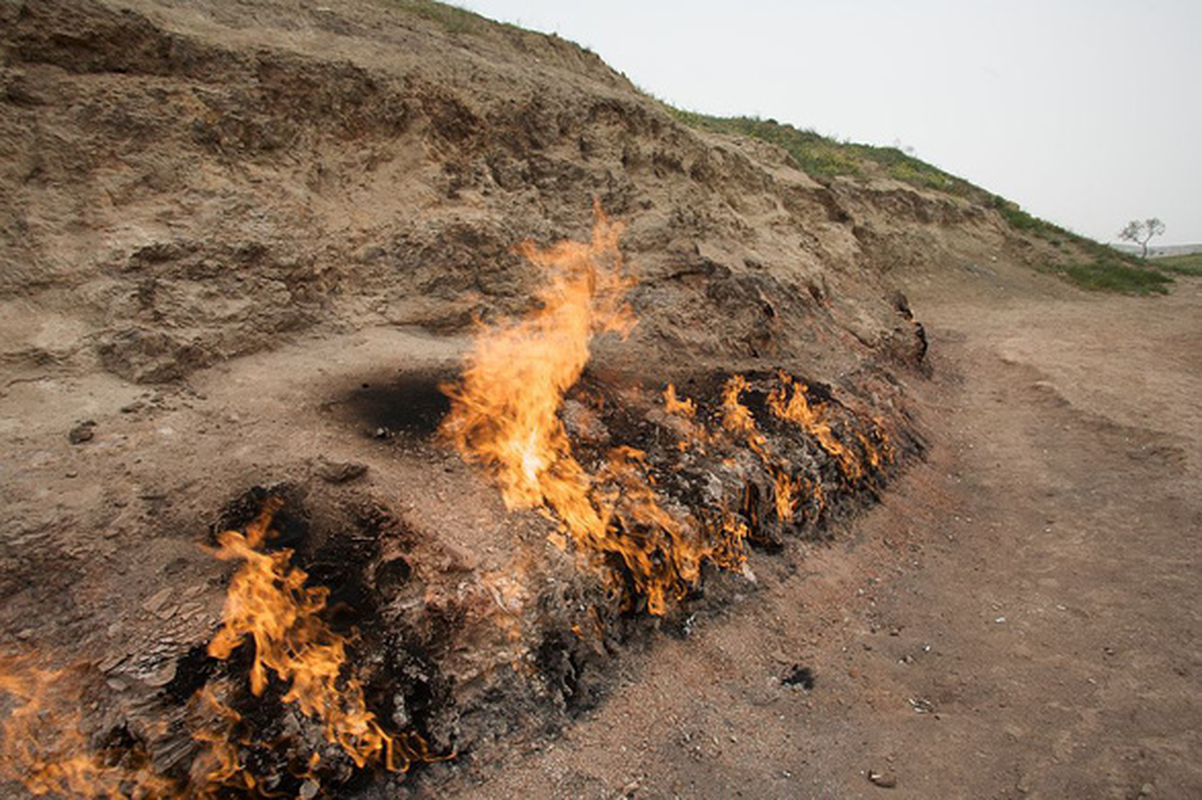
1142 232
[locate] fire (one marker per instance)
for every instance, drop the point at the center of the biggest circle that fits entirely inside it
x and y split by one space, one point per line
504 411
785 490
680 407
788 401
269 604
505 417
683 412
219 764
45 748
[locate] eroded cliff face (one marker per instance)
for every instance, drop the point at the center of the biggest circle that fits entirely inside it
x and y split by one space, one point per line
185 186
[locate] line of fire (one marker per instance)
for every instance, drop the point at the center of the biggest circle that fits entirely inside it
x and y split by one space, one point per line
334 666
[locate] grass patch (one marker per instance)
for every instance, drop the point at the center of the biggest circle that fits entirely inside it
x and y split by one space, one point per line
822 157
453 19
1116 276
1182 265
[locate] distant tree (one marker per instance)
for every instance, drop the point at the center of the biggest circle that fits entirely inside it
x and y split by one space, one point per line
1142 232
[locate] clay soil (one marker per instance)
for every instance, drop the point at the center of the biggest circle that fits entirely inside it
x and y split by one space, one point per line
1018 618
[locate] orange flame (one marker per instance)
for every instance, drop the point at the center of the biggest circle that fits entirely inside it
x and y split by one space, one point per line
786 495
504 411
684 412
788 401
674 405
269 603
505 417
219 765
45 749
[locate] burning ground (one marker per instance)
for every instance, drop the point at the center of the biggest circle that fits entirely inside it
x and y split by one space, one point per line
348 444
355 643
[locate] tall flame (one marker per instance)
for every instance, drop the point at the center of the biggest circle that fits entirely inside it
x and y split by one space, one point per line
505 417
504 411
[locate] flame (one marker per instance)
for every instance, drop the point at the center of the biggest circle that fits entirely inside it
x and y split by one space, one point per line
269 603
44 746
684 414
504 411
662 553
673 405
505 418
788 401
785 489
219 763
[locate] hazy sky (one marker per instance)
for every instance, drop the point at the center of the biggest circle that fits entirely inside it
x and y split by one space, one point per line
1086 113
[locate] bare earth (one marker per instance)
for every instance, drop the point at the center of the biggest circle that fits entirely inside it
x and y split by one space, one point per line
1019 618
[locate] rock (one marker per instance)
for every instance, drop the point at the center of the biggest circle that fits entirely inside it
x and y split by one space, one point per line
83 432
163 676
340 471
143 355
883 779
189 610
799 676
157 600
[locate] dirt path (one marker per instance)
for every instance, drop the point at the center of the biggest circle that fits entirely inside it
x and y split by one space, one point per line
1019 618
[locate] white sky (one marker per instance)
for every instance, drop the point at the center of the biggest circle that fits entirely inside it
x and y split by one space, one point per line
1086 113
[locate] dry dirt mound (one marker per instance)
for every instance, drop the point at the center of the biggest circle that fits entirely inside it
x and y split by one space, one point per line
242 248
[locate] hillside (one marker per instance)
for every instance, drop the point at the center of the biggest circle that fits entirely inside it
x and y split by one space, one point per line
380 383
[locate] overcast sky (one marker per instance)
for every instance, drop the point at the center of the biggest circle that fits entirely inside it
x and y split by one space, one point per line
1086 113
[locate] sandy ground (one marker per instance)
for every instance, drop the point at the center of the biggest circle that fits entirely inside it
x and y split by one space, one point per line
1019 618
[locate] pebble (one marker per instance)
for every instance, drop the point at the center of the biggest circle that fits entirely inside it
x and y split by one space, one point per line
190 609
157 600
83 432
163 677
340 471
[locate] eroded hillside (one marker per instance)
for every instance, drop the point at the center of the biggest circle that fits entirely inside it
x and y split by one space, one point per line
245 251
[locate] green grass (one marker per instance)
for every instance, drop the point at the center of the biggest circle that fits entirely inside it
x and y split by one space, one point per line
822 157
453 19
1182 265
1116 276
